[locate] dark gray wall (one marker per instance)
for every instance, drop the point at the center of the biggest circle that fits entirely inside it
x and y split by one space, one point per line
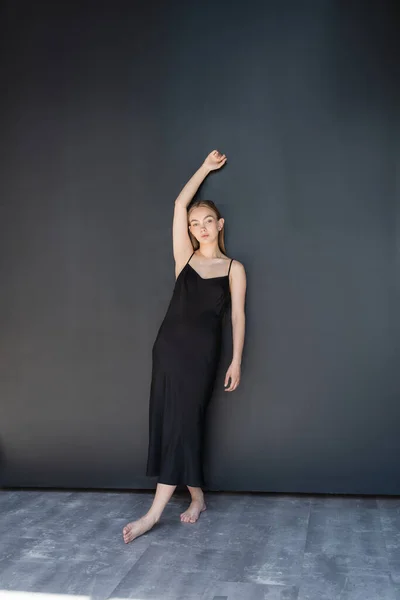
108 108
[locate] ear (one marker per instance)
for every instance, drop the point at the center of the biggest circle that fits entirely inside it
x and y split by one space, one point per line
221 222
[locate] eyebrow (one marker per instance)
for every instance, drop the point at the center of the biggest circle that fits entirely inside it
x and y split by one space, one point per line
191 220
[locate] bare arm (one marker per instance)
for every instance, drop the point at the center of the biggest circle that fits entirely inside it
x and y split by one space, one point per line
238 295
189 190
182 246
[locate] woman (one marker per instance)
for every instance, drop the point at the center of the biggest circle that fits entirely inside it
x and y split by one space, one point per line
187 350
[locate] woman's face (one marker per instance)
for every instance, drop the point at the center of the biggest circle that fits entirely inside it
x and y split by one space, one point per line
204 225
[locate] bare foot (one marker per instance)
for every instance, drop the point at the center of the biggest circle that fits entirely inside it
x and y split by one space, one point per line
137 528
193 512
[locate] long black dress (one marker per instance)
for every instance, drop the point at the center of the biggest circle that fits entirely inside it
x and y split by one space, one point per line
185 355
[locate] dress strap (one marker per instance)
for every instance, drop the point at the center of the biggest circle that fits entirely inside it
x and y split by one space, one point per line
190 257
230 267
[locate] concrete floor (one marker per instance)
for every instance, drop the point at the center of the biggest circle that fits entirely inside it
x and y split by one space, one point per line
244 547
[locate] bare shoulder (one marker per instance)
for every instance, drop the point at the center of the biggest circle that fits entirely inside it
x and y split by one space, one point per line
237 271
237 266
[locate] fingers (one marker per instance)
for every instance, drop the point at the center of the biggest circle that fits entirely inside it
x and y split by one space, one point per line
216 160
233 386
234 377
220 163
218 156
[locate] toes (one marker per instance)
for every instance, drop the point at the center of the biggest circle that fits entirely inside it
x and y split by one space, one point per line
127 534
128 538
190 517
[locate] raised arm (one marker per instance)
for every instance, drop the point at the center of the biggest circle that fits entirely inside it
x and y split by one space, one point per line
182 246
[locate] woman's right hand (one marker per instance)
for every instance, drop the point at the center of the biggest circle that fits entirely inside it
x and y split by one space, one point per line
215 160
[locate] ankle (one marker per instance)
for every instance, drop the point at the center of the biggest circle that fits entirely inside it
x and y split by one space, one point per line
198 497
153 517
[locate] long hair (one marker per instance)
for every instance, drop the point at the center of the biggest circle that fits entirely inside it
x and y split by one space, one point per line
221 238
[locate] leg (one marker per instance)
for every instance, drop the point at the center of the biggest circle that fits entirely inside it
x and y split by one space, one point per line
196 507
161 499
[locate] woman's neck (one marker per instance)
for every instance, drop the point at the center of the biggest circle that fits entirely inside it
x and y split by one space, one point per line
208 251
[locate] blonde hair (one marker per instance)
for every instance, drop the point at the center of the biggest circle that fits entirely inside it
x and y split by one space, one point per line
221 238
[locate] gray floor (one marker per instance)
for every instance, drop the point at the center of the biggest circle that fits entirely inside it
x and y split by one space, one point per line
244 547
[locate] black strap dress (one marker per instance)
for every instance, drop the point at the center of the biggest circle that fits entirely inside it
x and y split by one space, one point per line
185 356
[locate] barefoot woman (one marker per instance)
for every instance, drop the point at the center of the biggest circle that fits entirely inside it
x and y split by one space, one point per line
187 350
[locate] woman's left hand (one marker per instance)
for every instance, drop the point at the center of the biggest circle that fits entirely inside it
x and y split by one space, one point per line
233 373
